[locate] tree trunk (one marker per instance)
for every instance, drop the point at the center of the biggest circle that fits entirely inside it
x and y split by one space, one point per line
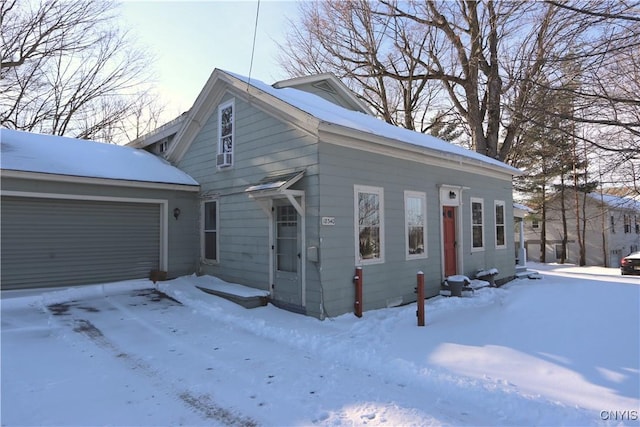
543 230
563 209
604 235
583 242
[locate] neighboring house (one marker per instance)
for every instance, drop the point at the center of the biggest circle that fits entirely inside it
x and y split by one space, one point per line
299 184
79 212
520 211
612 229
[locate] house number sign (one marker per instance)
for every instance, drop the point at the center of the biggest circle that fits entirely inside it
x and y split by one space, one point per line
328 220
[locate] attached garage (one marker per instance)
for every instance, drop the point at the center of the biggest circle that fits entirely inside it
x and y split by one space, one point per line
57 242
67 229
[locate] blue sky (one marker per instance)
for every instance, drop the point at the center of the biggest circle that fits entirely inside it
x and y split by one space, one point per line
191 38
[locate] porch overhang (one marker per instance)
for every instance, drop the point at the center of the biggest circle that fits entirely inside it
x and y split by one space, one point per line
276 187
266 192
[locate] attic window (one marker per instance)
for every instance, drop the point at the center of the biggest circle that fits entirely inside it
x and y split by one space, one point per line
226 134
162 146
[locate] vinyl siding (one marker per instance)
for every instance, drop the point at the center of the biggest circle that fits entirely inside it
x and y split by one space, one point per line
263 145
617 243
393 281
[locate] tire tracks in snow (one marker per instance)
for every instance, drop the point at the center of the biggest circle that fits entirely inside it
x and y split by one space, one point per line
203 404
453 398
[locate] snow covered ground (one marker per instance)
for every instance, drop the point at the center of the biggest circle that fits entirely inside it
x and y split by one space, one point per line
562 350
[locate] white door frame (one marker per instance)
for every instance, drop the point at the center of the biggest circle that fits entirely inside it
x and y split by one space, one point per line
451 195
297 200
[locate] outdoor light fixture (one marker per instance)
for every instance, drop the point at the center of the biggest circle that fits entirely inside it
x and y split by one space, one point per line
452 195
176 213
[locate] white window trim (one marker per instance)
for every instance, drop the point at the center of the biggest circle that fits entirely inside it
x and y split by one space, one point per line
202 231
380 192
504 224
163 146
481 201
423 199
221 107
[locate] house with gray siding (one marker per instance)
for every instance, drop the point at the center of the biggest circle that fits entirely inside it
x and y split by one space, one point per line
610 225
299 184
76 212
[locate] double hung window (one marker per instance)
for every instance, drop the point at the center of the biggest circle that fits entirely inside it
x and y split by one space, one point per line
500 224
210 231
415 208
369 224
226 134
477 224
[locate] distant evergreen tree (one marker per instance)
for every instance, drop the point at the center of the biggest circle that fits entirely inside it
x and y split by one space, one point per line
445 127
551 157
541 155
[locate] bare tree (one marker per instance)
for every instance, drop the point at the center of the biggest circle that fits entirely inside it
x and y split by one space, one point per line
607 103
376 56
67 69
486 56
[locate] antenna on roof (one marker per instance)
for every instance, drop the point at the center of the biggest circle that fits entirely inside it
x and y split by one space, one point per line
253 48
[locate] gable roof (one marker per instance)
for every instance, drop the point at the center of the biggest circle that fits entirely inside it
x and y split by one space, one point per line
520 210
166 130
617 202
315 114
329 83
58 155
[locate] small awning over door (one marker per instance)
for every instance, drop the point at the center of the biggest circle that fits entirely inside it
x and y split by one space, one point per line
273 185
277 186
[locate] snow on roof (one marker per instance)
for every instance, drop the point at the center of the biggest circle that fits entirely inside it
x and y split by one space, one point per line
163 131
31 152
276 182
617 201
522 207
331 113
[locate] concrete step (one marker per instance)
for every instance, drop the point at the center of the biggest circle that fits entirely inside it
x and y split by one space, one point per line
528 274
245 301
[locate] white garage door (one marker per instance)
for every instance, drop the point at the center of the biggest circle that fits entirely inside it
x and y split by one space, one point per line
60 242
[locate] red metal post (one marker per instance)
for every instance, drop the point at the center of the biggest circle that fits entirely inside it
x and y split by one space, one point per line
357 280
420 292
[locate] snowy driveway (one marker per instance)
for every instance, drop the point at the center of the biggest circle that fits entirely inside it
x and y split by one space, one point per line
141 357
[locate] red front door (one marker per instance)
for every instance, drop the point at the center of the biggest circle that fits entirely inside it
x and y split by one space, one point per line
449 227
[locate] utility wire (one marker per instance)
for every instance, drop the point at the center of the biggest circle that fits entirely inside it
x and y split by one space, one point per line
253 48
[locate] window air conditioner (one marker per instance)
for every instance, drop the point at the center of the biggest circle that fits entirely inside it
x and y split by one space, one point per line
224 160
